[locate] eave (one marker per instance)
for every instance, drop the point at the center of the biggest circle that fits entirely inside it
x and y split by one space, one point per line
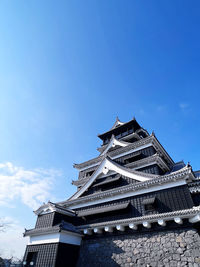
174 215
180 175
194 187
53 207
108 165
155 159
140 144
110 132
151 160
83 213
48 230
117 123
113 142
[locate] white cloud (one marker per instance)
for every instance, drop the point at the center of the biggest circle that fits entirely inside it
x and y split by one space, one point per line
32 187
12 241
183 106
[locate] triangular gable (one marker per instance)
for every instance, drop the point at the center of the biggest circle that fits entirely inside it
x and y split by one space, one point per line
45 208
108 165
52 207
117 123
114 142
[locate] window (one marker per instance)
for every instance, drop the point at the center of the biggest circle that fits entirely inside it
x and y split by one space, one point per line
31 259
149 205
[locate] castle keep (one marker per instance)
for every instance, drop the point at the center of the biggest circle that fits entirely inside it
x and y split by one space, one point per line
134 206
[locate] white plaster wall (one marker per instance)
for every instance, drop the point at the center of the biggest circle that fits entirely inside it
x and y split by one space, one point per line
44 239
67 238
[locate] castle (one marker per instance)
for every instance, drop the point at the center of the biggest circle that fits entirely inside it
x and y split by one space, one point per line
134 206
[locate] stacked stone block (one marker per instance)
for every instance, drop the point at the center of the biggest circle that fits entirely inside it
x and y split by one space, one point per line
163 249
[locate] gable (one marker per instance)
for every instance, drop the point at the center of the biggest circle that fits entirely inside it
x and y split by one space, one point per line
117 123
113 181
108 165
114 142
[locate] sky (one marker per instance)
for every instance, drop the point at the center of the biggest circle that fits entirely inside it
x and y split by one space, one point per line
67 69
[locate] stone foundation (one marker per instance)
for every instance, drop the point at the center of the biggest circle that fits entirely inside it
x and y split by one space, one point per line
167 248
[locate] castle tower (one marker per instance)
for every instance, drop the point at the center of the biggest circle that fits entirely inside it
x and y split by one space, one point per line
131 194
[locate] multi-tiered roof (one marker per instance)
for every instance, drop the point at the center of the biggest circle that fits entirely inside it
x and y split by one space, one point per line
131 146
132 184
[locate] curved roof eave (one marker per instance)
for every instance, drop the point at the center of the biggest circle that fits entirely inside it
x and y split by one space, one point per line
117 122
114 142
122 124
108 165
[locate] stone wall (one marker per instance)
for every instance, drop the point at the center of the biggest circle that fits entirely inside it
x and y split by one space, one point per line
167 248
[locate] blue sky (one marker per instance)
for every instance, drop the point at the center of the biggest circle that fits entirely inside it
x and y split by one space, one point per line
68 68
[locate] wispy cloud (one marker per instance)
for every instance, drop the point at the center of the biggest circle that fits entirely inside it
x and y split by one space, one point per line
32 187
12 241
183 106
161 108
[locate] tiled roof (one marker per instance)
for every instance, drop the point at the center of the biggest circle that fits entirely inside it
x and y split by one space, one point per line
63 226
153 217
197 174
113 154
177 166
178 175
108 180
148 201
102 210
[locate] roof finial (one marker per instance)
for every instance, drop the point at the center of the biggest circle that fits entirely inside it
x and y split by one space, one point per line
188 164
117 118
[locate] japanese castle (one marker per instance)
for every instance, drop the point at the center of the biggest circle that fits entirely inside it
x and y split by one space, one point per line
134 206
